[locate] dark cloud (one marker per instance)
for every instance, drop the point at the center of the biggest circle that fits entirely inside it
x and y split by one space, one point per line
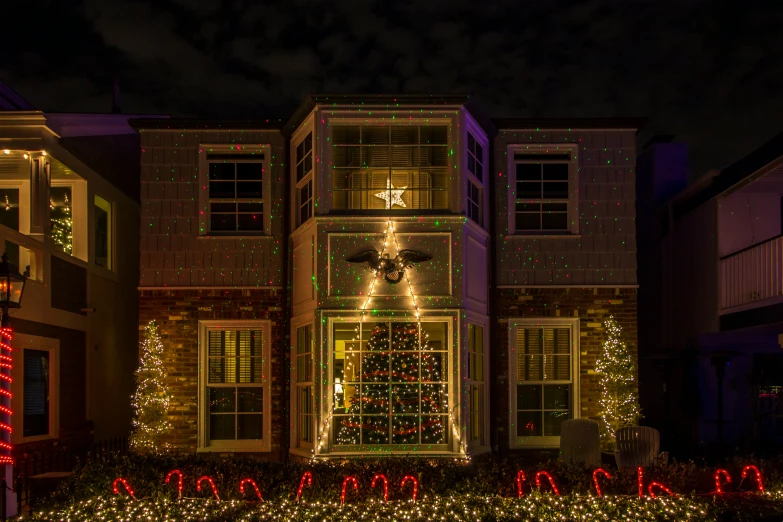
710 71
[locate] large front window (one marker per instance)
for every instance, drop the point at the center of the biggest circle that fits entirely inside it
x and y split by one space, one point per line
394 167
543 385
391 386
236 193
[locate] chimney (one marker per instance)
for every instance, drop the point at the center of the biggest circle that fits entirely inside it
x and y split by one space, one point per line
115 102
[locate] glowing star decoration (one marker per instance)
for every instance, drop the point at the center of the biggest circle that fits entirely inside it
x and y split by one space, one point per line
392 196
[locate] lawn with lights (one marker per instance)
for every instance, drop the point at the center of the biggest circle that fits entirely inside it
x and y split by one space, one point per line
193 488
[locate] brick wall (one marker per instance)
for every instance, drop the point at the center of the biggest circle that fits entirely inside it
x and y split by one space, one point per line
592 306
177 313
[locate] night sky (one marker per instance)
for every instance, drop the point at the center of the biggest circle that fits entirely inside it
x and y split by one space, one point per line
708 72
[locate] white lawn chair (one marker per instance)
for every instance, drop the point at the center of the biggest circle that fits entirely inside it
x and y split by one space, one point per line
637 446
580 442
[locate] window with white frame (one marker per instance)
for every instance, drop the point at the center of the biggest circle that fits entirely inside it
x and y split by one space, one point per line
35 400
542 191
475 180
476 388
235 405
304 179
304 390
392 167
544 380
237 192
391 385
102 226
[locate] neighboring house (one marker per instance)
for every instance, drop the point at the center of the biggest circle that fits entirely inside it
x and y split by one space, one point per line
712 299
279 342
69 219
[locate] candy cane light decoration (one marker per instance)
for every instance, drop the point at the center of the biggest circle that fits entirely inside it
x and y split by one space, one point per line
345 485
640 481
660 486
382 478
410 478
211 484
755 470
603 472
718 485
549 478
125 484
307 479
179 480
252 483
520 479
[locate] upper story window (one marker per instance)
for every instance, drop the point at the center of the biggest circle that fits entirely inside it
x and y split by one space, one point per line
392 167
61 217
237 193
542 201
103 232
475 179
304 179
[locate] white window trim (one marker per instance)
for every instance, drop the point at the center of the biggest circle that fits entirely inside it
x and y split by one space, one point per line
296 443
481 139
308 178
475 447
327 378
20 342
79 214
203 187
112 234
573 185
204 445
532 322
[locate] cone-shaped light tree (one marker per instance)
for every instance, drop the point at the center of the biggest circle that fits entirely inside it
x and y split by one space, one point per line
152 397
619 394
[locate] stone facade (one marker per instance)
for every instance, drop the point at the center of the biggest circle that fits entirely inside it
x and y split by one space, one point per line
177 313
592 306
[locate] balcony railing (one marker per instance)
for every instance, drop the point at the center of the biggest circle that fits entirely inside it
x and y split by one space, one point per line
752 275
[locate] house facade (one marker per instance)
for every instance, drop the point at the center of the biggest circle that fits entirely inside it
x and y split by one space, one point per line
69 222
382 275
711 327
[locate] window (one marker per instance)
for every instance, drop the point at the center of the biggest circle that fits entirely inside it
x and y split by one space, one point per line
236 193
304 179
103 228
390 386
475 384
61 217
474 202
544 390
9 217
36 411
542 192
304 386
475 158
392 167
235 393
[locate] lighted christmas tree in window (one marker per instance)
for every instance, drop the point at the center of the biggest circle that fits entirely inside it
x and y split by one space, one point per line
400 397
152 397
619 398
60 218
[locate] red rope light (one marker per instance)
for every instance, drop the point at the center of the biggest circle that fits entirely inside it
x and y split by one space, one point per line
211 484
640 479
595 479
345 485
179 480
405 479
758 476
252 483
549 477
6 335
659 486
520 479
718 485
307 476
382 477
124 482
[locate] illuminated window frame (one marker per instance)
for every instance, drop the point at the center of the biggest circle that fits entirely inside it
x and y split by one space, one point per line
303 168
572 324
20 343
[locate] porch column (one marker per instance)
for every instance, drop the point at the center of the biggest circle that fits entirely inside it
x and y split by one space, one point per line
40 181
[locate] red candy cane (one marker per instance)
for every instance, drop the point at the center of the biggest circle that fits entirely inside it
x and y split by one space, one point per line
252 483
595 479
179 480
758 476
520 479
211 484
308 477
640 480
382 477
345 485
659 486
405 479
549 477
718 485
124 482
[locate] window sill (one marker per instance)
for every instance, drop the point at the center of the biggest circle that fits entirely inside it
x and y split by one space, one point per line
36 438
233 449
235 236
555 235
